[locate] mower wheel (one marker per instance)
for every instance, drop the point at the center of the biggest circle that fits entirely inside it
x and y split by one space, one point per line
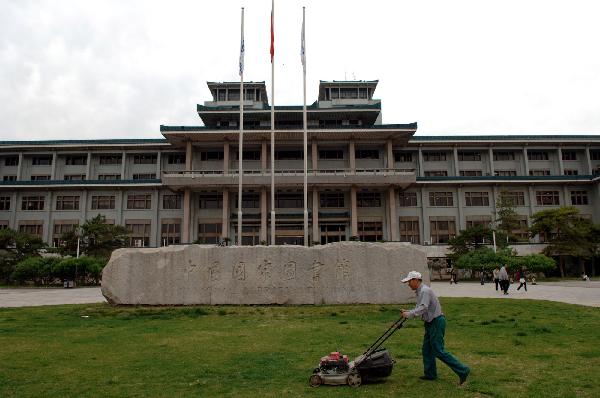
315 381
354 379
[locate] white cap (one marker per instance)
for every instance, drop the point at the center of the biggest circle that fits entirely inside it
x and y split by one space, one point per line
412 275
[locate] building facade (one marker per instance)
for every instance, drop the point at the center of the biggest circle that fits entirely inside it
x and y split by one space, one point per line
366 179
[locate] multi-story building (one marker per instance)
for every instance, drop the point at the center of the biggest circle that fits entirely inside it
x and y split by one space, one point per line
366 179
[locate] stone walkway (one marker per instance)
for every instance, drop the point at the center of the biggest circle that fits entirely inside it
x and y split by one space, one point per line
573 292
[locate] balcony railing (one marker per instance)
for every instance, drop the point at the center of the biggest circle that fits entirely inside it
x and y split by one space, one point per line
289 172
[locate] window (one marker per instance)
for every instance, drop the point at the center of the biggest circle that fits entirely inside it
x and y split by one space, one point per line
76 160
504 155
248 155
333 233
74 177
409 229
233 94
41 160
289 200
209 233
347 92
11 161
110 159
40 178
367 153
331 199
211 200
442 229
103 202
171 202
436 173
250 234
370 231
537 155
4 203
139 232
569 155
477 199
547 198
440 199
109 177
61 228
9 178
32 202
469 156
250 200
595 154
170 232
176 158
144 176
403 157
483 221
517 198
137 202
522 231
539 172
571 172
368 199
288 154
3 224
579 198
144 159
434 156
470 173
35 228
330 154
211 155
408 199
505 173
67 203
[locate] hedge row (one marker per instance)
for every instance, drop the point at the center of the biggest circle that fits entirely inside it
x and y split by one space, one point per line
52 270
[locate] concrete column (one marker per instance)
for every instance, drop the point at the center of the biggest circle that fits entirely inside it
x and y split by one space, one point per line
225 157
123 163
495 194
121 200
48 231
352 156
53 174
187 206
88 168
316 230
455 157
425 230
353 211
263 213
390 154
461 204
263 158
188 156
561 166
491 160
225 227
420 167
532 202
84 205
525 162
566 196
588 159
157 224
158 163
314 156
393 224
13 212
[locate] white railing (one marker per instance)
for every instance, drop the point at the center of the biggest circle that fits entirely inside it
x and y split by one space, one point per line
289 172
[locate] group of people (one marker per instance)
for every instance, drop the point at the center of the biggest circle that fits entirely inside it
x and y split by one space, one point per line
502 279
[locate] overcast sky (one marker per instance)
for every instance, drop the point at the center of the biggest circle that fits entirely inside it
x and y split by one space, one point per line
120 68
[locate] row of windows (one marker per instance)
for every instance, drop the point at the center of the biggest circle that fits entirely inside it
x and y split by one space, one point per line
472 156
81 160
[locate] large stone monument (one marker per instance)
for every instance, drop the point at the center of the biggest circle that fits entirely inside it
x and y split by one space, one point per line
340 273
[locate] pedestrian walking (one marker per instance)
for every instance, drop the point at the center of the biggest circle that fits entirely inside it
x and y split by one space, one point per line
429 309
504 281
496 279
522 280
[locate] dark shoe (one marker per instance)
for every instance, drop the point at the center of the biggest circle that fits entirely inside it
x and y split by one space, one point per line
426 378
462 379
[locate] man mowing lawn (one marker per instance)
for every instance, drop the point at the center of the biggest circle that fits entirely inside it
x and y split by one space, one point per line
429 309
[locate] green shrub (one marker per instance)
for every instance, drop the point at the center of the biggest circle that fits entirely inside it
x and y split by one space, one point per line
35 269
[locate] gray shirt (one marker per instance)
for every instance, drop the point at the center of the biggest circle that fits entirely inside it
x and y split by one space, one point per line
503 275
428 306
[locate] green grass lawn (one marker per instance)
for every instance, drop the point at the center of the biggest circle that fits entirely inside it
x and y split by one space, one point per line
514 348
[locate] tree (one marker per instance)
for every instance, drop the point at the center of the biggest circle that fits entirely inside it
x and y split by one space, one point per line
36 269
14 247
472 239
567 234
486 259
508 219
533 263
96 238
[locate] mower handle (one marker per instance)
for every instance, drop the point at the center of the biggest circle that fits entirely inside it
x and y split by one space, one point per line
386 335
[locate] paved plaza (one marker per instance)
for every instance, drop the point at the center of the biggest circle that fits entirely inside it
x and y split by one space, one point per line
573 292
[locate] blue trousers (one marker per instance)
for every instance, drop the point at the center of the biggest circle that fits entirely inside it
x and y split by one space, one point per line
433 347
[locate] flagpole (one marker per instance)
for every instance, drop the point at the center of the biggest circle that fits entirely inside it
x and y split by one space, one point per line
272 122
305 133
241 137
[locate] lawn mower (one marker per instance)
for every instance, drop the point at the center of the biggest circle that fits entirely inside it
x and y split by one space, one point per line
374 364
